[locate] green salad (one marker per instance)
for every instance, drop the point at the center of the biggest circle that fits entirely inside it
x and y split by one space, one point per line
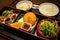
48 28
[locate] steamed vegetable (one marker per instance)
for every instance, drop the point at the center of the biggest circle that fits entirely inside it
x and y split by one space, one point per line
48 28
20 16
6 12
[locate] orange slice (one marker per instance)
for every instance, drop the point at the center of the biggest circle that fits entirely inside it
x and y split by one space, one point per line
16 25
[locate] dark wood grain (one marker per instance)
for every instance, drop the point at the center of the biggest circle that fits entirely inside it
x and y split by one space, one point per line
5 3
8 2
57 2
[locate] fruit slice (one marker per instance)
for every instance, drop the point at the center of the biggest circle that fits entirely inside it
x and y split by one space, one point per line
16 25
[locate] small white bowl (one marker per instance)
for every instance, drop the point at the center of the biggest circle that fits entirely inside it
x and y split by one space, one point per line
24 5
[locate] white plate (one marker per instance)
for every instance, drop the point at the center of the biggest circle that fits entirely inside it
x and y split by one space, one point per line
48 9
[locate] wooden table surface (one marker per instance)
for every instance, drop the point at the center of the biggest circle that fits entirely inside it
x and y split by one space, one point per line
57 2
8 2
5 3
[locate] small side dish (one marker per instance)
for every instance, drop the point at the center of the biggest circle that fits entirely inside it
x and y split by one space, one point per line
48 9
8 16
24 5
47 28
26 26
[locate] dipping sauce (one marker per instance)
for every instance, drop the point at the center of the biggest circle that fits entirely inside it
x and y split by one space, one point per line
26 26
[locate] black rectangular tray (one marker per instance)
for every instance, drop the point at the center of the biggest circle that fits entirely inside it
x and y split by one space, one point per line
21 33
5 37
